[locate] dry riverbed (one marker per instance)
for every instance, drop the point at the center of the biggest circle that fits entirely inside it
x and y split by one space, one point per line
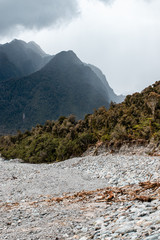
92 197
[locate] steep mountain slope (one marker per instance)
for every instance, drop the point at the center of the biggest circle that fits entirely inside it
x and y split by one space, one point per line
7 69
136 121
64 86
111 94
35 86
26 57
36 48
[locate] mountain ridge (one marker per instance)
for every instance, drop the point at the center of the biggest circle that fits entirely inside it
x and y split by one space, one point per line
135 121
26 59
64 85
113 97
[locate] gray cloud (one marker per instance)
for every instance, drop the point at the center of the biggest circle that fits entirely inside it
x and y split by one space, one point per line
107 1
111 1
36 14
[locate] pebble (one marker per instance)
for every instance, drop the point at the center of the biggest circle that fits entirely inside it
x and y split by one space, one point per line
126 229
153 237
27 214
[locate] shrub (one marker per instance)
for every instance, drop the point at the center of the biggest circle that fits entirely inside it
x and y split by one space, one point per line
119 133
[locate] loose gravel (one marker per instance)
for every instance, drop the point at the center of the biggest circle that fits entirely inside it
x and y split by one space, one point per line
31 208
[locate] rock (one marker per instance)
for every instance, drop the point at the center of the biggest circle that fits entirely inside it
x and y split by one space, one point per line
28 210
84 229
83 238
153 237
125 229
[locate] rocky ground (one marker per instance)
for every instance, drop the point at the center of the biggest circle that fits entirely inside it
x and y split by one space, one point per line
92 197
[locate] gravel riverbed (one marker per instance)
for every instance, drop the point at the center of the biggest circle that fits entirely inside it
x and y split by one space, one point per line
33 202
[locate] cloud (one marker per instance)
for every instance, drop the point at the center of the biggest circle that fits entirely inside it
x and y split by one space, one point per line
107 1
112 1
34 14
37 14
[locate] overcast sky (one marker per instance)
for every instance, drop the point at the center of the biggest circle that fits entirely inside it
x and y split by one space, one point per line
121 37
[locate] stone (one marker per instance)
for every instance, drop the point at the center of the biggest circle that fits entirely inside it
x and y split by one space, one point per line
83 238
36 216
125 229
84 229
153 237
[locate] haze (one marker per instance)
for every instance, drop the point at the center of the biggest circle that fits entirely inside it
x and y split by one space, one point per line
121 37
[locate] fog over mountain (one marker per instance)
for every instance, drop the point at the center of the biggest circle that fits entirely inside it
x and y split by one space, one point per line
25 58
110 93
63 86
122 40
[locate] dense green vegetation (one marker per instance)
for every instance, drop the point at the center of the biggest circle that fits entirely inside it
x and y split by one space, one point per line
35 86
136 119
64 86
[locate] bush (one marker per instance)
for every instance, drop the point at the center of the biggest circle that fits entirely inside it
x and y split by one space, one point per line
119 133
135 118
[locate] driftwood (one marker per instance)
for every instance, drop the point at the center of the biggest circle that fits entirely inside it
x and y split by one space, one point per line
144 192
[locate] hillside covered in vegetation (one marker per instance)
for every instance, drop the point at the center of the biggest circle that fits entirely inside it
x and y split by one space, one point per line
136 119
35 86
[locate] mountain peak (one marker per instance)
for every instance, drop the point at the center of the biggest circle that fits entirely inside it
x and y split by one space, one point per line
30 45
36 48
26 57
17 41
67 56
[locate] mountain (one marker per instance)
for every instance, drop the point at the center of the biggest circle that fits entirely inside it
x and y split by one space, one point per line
134 122
36 48
25 57
110 93
7 69
35 86
64 86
